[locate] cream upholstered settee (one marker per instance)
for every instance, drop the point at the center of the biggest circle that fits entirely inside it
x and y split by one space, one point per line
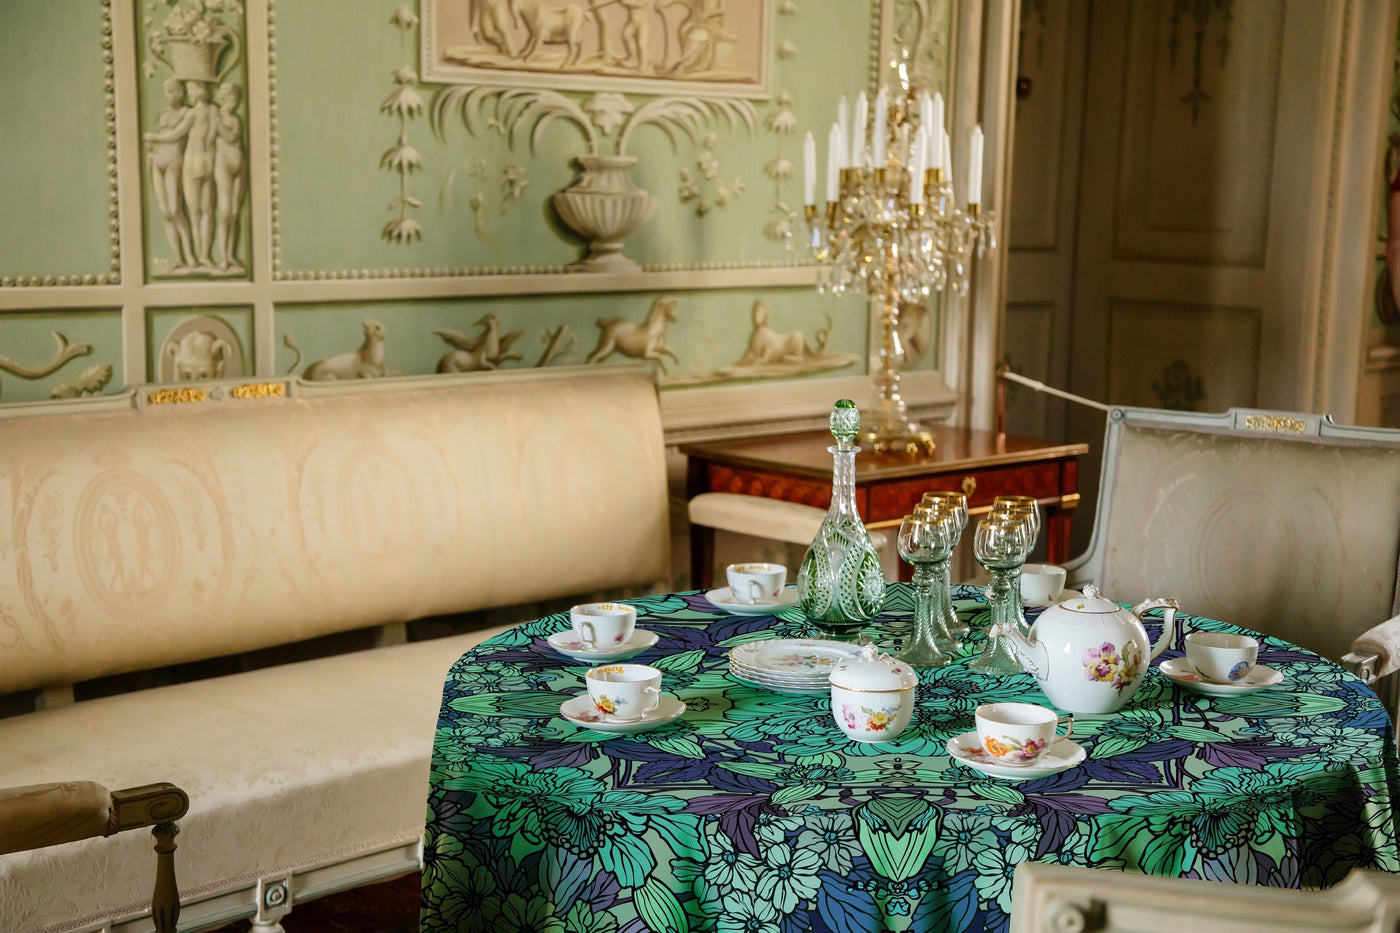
176 524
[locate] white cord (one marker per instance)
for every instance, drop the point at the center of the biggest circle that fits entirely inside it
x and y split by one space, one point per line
1042 387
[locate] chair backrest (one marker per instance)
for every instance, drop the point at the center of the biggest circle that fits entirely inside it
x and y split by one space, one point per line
1052 898
136 533
1283 523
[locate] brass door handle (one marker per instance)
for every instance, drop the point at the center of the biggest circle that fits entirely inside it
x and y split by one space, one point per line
969 485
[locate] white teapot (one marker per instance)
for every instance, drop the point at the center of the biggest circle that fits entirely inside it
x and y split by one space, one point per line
1088 652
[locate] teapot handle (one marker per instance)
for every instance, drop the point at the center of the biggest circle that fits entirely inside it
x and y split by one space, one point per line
1168 622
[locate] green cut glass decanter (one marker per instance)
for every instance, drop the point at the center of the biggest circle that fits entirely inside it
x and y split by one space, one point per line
841 584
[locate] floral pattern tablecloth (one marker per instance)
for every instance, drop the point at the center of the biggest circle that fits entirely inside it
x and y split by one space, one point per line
755 813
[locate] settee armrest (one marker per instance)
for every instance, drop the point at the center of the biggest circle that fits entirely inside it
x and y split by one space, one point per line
1375 653
39 815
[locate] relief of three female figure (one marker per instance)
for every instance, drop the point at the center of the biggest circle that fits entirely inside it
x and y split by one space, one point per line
198 172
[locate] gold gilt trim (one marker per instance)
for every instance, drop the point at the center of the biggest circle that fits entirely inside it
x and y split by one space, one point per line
1277 424
260 390
859 690
176 396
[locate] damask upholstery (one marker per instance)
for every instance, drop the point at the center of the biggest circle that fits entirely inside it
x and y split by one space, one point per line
136 535
1292 532
166 534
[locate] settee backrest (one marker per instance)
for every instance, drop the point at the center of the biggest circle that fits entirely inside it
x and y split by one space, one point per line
257 514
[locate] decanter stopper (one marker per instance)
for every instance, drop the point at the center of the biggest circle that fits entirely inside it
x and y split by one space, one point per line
844 423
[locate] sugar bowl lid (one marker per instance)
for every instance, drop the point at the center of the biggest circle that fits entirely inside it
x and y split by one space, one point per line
872 671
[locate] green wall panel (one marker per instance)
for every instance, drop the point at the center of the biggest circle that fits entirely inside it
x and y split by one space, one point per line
54 198
92 339
486 203
712 330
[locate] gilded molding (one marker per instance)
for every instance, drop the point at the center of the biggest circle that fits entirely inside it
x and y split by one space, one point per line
1276 424
176 396
109 108
259 390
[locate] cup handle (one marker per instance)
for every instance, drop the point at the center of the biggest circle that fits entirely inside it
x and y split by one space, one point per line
655 693
585 630
1069 727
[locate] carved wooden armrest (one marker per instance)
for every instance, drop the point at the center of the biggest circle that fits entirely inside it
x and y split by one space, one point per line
41 815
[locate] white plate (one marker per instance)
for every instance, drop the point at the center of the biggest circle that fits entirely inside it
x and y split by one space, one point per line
1180 671
567 643
581 712
723 599
814 690
793 658
752 673
967 749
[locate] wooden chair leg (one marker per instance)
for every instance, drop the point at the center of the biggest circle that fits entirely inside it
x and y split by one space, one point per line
165 902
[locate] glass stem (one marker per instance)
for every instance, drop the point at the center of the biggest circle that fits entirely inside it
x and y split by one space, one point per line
1004 595
950 627
923 649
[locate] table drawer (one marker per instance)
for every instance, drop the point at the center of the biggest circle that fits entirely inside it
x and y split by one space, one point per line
897 498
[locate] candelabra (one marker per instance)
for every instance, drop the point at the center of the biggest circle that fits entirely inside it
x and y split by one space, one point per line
892 228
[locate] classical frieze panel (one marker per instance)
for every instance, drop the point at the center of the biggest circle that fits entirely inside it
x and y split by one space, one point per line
43 356
193 118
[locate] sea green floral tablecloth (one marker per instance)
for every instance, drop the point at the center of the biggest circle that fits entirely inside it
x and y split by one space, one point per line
755 813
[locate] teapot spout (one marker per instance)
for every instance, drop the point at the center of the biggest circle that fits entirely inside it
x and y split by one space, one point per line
1034 656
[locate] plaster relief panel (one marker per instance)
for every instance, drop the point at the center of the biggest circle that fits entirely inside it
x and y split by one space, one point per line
1183 357
57 355
58 147
200 347
194 134
1199 118
697 46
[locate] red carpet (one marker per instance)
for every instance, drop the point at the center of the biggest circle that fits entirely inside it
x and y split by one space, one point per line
388 907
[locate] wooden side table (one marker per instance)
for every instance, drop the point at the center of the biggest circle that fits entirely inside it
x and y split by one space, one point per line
797 468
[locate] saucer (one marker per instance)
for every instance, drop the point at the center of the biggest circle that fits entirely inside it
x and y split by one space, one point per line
567 643
1065 594
967 749
723 599
580 711
1180 671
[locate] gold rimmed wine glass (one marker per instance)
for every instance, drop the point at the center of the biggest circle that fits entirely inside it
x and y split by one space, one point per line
926 540
1001 544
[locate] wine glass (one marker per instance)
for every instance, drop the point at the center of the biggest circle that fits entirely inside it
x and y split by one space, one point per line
1001 544
926 539
950 627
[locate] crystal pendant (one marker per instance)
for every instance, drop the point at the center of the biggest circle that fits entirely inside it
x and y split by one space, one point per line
841 584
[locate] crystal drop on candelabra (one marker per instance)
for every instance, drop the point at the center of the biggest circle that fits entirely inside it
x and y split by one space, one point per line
841 584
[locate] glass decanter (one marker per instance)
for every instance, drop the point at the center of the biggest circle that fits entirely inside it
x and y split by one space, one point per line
841 584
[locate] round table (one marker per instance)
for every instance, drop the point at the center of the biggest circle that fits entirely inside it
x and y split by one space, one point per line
754 812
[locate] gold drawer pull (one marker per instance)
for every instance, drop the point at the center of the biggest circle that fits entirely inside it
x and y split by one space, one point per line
969 485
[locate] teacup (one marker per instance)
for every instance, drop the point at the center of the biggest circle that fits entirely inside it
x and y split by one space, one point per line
1222 657
603 625
756 583
1041 584
1018 734
624 692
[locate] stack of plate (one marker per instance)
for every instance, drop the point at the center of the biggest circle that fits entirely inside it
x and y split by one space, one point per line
789 665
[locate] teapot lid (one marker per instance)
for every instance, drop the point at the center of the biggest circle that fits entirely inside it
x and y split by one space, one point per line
872 671
1090 602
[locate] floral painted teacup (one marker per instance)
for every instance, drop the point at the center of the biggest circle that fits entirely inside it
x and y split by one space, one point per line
1018 734
624 692
603 625
756 583
1222 657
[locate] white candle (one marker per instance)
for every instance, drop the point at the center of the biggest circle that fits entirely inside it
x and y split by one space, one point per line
933 155
809 170
877 134
835 157
858 131
974 167
916 167
947 156
925 111
843 124
936 117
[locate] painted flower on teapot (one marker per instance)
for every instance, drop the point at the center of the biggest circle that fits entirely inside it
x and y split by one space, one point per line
1089 653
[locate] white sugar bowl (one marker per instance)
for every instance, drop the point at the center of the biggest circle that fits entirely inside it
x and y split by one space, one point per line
872 696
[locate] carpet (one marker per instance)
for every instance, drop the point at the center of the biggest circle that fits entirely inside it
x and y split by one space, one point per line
387 907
